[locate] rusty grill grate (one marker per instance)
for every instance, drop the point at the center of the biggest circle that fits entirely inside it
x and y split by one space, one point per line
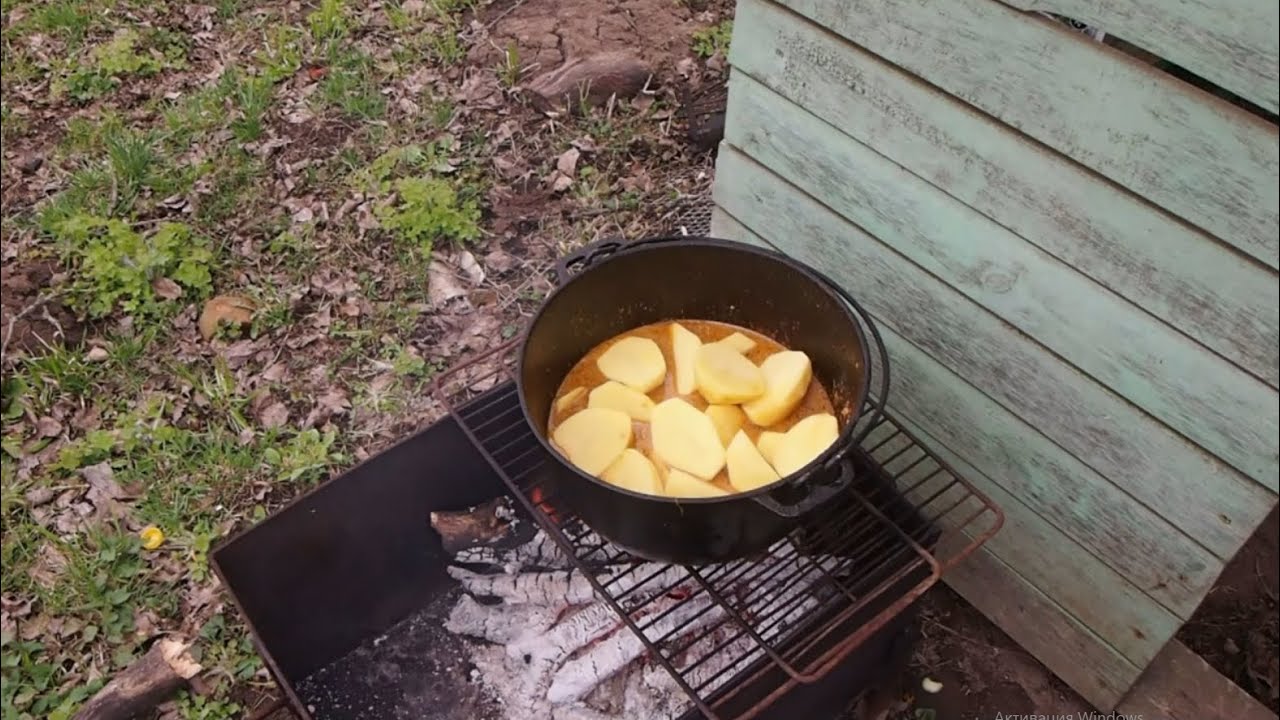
905 520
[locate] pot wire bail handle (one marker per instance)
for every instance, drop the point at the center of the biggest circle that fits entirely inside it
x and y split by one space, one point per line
578 260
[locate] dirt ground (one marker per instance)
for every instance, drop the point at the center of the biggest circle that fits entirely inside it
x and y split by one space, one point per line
1237 627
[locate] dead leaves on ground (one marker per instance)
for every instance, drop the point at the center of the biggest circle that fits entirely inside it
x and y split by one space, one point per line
230 310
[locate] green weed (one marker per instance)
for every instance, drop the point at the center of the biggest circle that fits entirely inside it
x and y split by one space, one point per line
282 55
114 266
304 457
446 48
252 97
109 63
428 210
711 40
328 21
509 72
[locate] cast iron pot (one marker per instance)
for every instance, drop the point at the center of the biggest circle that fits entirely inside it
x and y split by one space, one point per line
699 278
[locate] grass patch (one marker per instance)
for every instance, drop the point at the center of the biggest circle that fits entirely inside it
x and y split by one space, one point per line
328 21
351 85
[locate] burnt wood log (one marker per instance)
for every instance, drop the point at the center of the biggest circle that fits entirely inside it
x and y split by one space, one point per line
147 682
589 81
481 525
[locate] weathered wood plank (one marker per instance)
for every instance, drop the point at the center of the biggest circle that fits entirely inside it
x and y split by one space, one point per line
1180 685
1065 646
1220 407
1174 272
1231 43
1057 563
1194 155
1148 461
1152 552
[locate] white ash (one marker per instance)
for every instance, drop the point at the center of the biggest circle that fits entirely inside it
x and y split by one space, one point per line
550 650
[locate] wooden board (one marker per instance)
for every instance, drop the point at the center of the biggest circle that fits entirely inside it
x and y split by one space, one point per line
1180 685
1171 270
1155 466
1131 622
1231 43
1169 566
1190 153
1204 397
1065 646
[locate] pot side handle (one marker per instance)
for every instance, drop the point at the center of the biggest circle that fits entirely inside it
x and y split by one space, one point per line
819 495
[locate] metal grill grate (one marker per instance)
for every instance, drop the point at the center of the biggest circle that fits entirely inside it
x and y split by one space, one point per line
906 518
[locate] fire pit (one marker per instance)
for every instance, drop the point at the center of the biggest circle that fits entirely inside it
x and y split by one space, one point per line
360 612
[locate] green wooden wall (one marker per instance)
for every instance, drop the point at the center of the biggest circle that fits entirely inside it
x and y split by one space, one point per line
1073 258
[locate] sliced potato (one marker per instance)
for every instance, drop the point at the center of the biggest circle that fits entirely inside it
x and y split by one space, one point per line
635 362
620 397
728 420
593 438
768 443
568 399
684 348
739 343
786 380
804 442
686 439
748 469
726 377
681 484
633 471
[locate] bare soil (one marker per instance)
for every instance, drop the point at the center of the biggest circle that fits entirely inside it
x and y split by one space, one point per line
1235 629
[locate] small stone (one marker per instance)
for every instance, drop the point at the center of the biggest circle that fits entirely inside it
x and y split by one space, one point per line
31 163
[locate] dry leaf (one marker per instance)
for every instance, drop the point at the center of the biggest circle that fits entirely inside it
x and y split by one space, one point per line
443 284
166 288
97 354
48 567
230 309
274 415
467 264
568 162
48 427
561 183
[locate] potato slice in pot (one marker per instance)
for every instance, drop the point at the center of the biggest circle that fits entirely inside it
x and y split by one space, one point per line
567 400
726 377
728 420
633 471
685 439
748 469
684 347
635 362
615 395
786 380
768 443
681 484
739 343
593 438
805 441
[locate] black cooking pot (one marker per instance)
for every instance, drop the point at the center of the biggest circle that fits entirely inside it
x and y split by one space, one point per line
699 278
